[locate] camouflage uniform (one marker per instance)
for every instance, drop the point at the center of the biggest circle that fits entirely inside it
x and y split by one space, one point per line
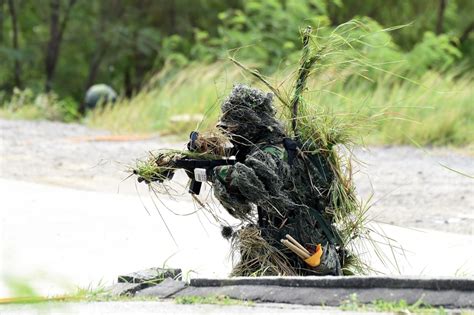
289 193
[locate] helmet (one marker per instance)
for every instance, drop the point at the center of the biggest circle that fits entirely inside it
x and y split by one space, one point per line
99 94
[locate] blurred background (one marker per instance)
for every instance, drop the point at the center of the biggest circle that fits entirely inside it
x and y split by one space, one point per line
167 58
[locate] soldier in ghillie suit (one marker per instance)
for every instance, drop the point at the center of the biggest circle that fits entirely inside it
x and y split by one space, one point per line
294 197
276 190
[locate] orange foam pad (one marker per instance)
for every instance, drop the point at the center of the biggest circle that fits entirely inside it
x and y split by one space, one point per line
315 259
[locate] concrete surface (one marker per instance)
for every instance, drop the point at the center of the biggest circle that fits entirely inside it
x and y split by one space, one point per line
407 186
163 290
167 307
334 296
331 291
55 238
346 282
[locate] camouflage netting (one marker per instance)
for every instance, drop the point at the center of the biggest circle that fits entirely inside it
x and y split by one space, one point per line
249 117
267 193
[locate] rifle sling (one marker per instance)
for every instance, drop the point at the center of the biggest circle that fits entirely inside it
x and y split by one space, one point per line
333 237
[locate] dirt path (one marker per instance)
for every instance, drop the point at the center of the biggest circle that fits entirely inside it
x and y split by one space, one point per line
409 186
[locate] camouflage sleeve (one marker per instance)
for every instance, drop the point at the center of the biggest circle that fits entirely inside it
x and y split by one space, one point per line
256 180
234 203
268 166
230 198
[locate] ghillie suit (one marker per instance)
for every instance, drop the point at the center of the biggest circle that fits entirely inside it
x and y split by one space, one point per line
274 179
297 188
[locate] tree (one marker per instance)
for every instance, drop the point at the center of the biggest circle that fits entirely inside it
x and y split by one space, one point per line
2 17
440 20
102 43
17 67
57 27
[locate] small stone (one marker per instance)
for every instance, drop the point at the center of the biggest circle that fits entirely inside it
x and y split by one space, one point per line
163 290
121 289
150 276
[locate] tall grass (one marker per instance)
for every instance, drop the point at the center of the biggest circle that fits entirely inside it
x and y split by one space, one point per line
172 102
437 109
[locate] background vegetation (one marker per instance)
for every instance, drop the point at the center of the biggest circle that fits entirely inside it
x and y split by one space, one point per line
167 58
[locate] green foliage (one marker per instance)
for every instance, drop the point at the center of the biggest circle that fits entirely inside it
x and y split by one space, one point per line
434 111
25 104
124 43
172 102
266 29
19 287
433 52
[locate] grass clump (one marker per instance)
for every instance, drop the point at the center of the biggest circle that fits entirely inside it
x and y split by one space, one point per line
436 110
172 103
26 295
212 299
257 256
25 104
160 165
398 307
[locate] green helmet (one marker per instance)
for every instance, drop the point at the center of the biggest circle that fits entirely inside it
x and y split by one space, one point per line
99 94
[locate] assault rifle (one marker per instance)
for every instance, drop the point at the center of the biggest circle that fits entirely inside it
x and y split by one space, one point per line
199 171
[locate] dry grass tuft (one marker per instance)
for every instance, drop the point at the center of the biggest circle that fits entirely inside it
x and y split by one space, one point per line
256 257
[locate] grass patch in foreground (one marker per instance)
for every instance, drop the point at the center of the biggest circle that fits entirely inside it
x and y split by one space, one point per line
399 307
212 299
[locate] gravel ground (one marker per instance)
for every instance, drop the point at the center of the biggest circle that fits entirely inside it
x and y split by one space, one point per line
408 186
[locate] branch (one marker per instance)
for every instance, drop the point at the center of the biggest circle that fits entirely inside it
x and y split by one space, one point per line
66 18
257 74
466 33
